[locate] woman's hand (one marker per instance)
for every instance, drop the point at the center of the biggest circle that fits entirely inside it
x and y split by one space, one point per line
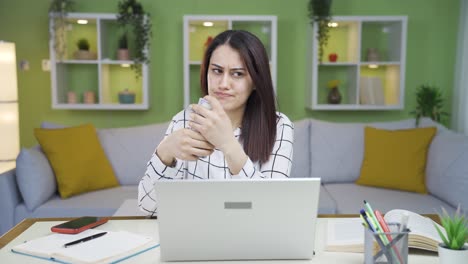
214 125
184 144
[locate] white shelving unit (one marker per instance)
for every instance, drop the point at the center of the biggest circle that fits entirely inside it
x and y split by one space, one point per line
366 82
195 35
105 76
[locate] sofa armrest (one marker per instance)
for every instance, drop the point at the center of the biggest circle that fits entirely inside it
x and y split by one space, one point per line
10 197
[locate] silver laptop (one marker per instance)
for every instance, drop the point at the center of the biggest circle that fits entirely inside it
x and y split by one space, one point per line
237 219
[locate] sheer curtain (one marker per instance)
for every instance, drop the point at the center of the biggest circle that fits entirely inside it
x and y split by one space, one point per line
460 93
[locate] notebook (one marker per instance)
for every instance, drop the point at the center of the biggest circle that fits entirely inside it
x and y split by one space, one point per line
237 219
112 247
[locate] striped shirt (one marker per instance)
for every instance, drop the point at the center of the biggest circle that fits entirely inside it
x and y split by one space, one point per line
214 166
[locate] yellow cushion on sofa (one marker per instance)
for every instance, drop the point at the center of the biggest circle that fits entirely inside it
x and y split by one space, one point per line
396 159
77 158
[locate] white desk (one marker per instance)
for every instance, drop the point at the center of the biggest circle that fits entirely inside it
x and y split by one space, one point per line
129 208
150 226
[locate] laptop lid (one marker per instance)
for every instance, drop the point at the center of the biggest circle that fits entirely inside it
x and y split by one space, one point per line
237 219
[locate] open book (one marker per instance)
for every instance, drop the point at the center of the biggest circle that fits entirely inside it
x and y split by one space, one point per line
112 247
347 234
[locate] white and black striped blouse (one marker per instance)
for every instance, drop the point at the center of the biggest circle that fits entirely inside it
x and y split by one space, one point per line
214 166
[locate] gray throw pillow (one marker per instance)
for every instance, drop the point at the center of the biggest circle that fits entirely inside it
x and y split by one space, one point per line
35 177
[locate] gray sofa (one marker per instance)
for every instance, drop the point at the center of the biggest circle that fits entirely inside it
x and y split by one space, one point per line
331 151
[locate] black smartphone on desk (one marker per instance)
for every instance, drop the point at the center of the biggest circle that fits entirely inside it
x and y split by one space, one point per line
78 225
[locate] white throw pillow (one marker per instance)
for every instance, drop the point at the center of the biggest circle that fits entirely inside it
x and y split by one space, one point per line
35 177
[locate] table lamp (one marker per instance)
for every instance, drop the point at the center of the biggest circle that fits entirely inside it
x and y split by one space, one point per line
9 126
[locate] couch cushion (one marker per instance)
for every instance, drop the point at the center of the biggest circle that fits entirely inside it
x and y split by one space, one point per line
396 159
77 158
98 203
35 177
301 156
447 169
349 199
338 148
129 149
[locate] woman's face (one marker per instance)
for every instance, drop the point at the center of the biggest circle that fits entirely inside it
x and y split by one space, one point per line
228 79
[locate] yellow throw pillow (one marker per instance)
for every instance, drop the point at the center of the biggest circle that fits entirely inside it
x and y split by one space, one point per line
396 159
77 158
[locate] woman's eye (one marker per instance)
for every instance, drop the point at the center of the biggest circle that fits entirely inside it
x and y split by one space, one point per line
238 74
216 71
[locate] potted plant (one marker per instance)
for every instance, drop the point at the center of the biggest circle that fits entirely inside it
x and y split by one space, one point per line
83 52
453 250
429 103
132 16
123 53
319 12
59 10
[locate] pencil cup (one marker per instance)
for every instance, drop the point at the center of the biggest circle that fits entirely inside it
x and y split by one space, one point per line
388 248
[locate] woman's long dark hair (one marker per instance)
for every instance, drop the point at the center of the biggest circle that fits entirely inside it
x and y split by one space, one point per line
259 121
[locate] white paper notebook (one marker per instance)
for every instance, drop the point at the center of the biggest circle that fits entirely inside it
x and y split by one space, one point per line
113 246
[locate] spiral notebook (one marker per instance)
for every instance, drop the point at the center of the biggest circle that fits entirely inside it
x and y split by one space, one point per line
113 247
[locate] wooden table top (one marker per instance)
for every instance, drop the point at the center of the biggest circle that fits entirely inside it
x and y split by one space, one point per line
26 223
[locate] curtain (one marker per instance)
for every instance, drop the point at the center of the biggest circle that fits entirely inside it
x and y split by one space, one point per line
460 94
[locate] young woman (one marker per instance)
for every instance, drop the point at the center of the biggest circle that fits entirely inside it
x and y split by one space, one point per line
241 136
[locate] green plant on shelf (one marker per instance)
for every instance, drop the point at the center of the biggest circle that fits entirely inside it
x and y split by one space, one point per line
58 10
319 11
82 44
132 16
123 41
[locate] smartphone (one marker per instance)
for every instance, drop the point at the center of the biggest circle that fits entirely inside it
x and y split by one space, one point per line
78 225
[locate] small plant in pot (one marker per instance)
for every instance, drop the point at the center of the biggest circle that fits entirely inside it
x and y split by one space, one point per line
429 103
83 52
123 53
453 250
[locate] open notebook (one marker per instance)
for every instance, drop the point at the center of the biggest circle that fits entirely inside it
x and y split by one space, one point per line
347 234
112 247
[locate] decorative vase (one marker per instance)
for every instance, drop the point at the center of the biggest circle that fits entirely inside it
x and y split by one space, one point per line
451 256
126 97
89 98
123 54
71 98
334 96
373 54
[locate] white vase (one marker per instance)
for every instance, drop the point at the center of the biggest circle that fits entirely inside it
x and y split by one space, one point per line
450 256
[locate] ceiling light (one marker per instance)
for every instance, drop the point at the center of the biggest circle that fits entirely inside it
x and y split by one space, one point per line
332 24
208 24
125 65
373 66
82 21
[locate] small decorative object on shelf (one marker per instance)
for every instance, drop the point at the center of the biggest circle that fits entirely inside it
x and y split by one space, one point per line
319 11
208 41
453 249
132 16
89 98
429 103
373 54
126 97
83 52
123 53
332 57
71 98
334 95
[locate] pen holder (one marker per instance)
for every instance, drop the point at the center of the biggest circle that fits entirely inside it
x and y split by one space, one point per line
388 248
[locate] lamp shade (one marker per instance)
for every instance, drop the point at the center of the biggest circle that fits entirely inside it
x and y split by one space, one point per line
9 125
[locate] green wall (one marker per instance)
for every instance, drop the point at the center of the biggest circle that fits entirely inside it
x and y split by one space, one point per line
431 45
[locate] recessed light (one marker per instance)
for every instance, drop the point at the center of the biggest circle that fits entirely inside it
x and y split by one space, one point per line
332 24
373 66
125 65
208 24
82 21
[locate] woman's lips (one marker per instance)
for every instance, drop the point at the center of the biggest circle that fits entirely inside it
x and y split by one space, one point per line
222 95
